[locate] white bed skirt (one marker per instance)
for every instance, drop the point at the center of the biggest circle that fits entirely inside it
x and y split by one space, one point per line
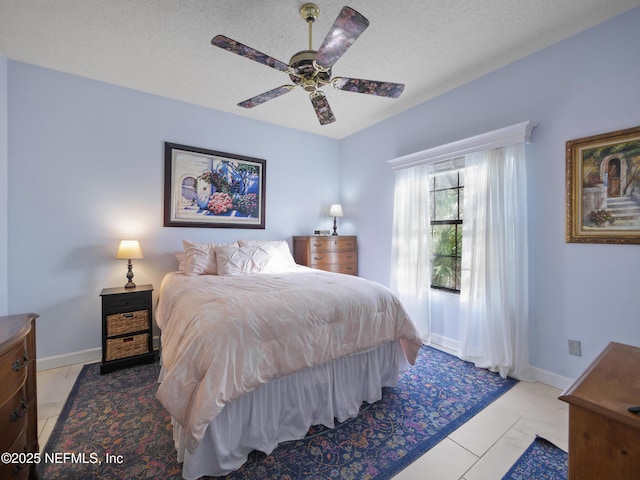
285 408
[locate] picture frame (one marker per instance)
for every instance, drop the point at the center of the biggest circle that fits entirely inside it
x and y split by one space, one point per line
603 188
207 188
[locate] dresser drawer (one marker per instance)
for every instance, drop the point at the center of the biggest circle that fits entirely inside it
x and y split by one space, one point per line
329 244
13 415
124 347
15 471
325 258
350 268
13 370
130 322
130 301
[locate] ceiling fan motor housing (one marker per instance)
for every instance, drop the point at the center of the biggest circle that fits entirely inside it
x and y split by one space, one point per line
307 75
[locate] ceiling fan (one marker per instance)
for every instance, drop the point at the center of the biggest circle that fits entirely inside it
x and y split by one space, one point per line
311 69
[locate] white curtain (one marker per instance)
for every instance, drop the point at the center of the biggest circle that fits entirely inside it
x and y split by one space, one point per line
494 329
411 254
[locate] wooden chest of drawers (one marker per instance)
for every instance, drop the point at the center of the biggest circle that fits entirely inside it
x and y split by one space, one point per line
335 253
18 402
127 336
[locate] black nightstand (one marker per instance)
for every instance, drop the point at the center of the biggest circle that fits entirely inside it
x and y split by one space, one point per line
127 335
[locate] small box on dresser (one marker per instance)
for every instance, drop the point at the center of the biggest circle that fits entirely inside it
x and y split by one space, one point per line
333 253
127 327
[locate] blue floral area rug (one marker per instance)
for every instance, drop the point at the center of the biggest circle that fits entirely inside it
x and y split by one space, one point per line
112 427
542 461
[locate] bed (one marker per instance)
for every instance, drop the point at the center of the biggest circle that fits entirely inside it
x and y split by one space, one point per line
256 349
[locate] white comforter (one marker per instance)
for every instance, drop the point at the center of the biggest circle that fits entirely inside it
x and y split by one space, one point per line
223 336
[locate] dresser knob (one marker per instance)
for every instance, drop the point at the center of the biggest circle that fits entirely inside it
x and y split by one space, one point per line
16 365
15 471
19 412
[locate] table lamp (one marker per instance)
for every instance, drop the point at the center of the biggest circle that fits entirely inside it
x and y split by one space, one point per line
335 211
129 250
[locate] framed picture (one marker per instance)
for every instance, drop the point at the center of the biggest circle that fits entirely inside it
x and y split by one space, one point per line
205 188
603 188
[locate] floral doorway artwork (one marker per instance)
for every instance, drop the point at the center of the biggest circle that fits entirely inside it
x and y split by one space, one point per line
603 188
206 188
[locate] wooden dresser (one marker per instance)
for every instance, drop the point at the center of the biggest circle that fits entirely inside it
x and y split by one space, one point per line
18 402
604 437
332 253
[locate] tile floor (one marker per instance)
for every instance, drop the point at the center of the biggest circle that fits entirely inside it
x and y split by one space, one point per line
484 448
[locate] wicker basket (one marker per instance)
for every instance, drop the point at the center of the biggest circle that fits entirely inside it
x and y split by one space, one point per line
127 346
129 322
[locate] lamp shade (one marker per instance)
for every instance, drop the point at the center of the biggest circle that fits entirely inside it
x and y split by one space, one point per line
129 250
335 210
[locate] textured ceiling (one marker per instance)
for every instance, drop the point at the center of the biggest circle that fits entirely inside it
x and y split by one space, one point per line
163 47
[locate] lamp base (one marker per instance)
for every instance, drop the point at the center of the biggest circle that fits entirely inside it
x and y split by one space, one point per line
130 283
335 227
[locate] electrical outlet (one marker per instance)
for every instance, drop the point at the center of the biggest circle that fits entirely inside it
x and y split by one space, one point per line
575 348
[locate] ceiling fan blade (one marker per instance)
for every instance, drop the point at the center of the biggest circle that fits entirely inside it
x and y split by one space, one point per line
266 96
238 48
345 30
322 108
371 87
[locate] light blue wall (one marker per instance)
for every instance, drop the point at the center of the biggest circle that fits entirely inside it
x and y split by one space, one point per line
85 169
4 185
86 163
585 85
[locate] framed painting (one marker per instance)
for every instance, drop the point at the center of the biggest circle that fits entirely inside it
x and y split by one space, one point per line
603 188
205 188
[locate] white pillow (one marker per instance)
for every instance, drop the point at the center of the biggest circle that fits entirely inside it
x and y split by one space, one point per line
242 260
281 257
200 258
180 257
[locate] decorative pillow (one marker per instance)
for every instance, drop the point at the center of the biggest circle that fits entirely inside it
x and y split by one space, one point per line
242 260
281 257
180 257
200 258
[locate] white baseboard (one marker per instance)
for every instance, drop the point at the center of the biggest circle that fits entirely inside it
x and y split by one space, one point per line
91 355
451 346
445 344
550 378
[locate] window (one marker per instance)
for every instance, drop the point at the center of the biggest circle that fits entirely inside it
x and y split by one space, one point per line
446 200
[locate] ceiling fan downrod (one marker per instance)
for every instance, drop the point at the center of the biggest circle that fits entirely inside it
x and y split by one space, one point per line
309 12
